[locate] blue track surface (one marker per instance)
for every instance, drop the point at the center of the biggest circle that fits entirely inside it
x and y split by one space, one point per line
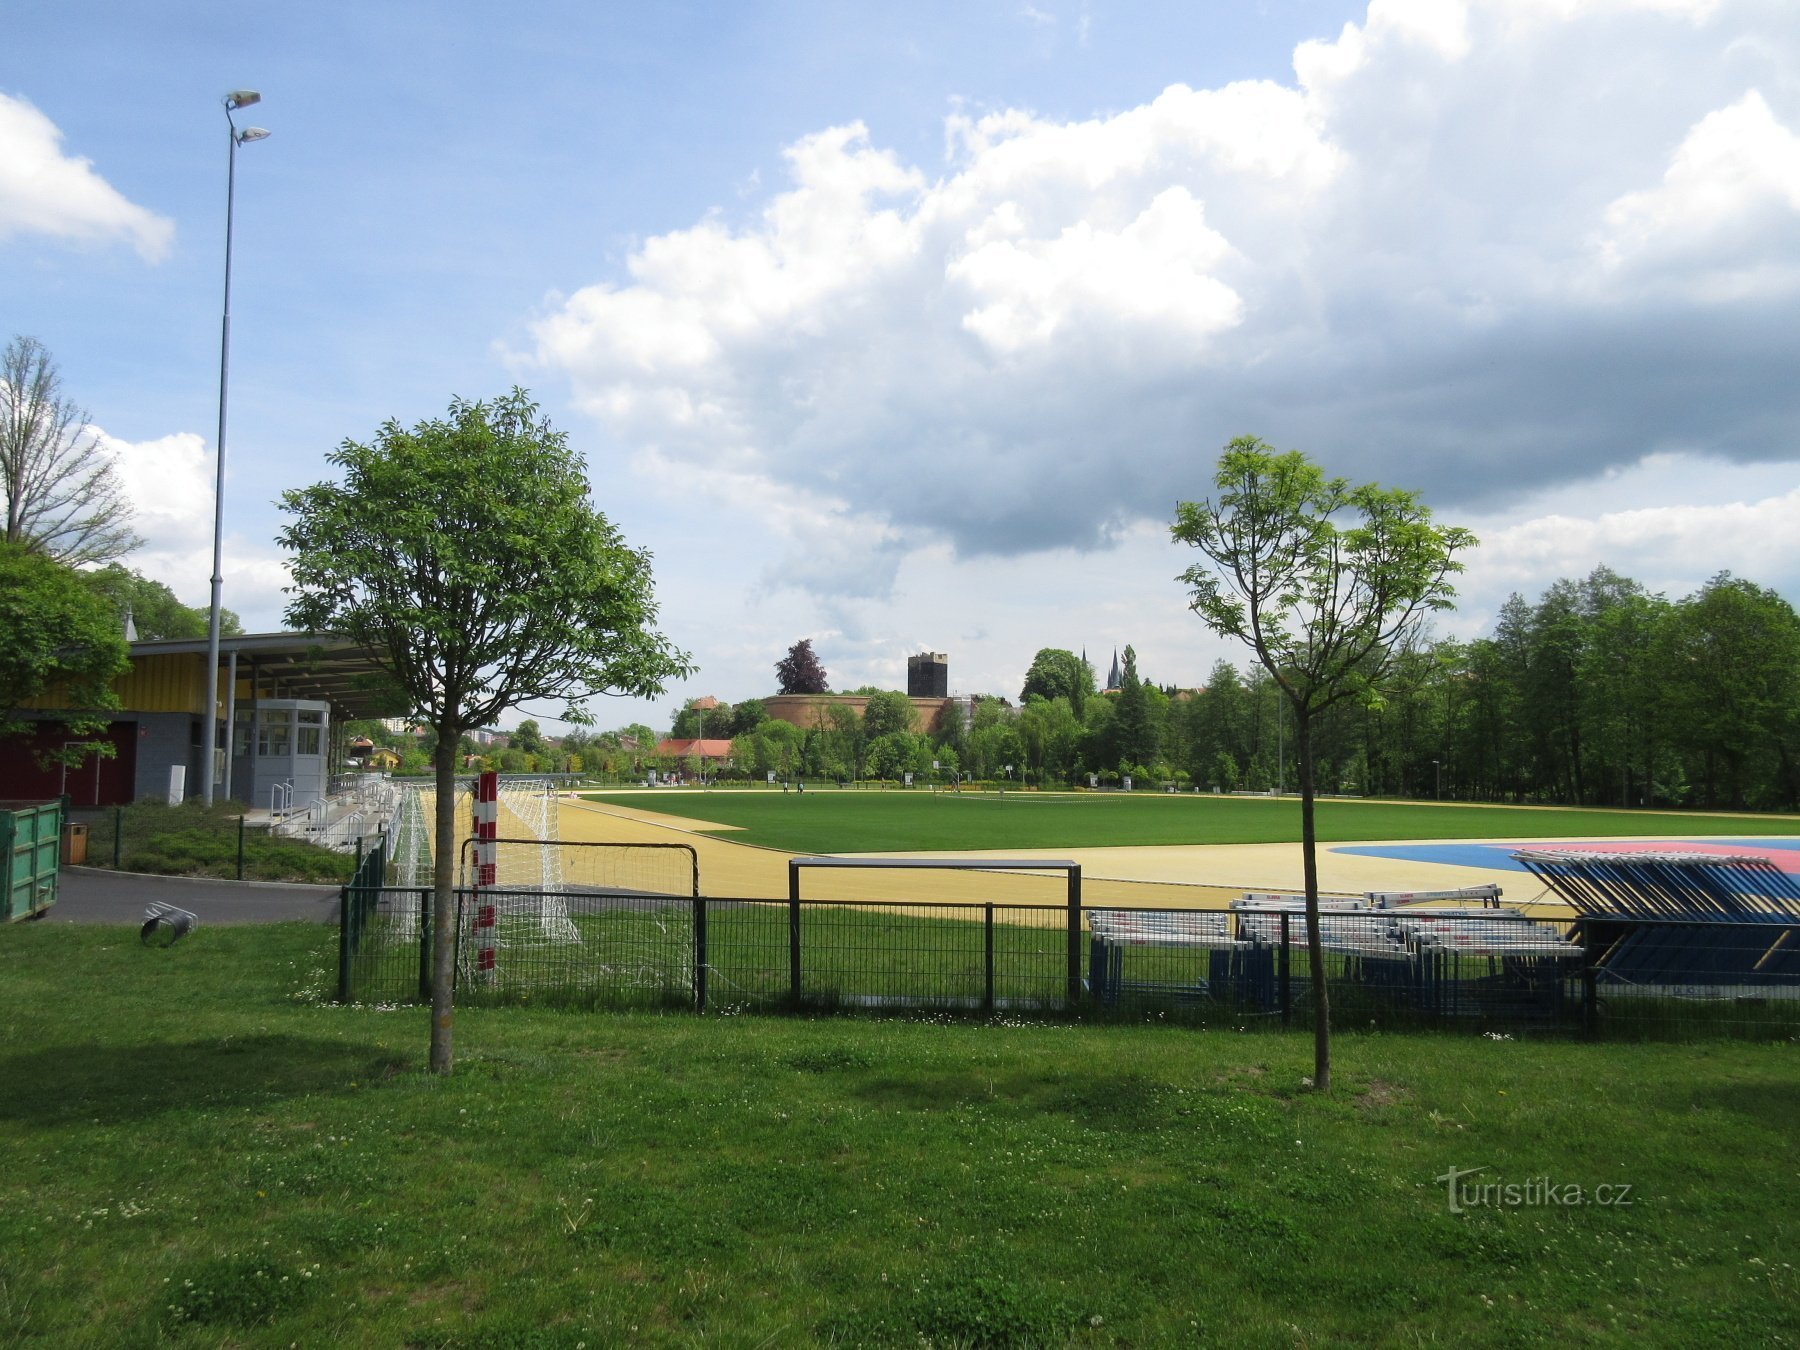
1498 857
1493 856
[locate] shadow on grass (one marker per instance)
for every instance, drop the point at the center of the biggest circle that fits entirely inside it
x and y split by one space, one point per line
1772 1104
123 1084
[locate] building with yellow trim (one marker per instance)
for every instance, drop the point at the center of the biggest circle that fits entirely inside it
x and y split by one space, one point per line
282 697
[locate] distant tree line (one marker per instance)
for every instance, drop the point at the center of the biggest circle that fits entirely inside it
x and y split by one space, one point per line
1599 693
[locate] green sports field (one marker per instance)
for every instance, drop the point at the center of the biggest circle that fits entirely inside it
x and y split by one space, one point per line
827 820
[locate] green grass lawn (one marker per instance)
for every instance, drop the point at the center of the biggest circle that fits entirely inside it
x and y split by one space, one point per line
829 821
199 1152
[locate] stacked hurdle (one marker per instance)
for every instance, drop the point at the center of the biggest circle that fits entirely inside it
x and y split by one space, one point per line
487 825
1113 930
1687 925
1454 953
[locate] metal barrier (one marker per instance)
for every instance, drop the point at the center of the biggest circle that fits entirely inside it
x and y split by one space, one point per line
1480 969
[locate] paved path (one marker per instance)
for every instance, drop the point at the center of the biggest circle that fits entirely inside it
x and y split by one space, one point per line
95 895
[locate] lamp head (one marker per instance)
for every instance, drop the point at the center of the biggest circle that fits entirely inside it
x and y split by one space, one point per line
241 98
251 134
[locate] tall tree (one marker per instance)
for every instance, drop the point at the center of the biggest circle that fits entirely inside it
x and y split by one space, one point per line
888 711
695 722
1324 606
1058 673
1731 657
56 634
63 496
527 738
1049 731
466 556
836 745
799 672
1134 732
747 716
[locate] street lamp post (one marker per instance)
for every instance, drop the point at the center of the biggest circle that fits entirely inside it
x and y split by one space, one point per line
209 739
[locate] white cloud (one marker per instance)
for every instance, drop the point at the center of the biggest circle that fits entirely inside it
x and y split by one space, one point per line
1670 522
169 481
44 191
1155 272
1721 221
1477 247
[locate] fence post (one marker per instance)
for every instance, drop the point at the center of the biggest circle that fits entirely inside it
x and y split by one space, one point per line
699 954
425 928
119 836
987 959
344 908
1287 989
1074 990
1590 984
240 867
794 932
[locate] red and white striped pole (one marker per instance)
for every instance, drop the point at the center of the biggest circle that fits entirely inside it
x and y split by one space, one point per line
487 821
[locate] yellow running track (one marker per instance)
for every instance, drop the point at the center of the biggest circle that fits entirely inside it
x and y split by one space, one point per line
1175 877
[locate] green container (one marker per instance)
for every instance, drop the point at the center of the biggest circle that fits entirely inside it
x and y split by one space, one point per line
30 840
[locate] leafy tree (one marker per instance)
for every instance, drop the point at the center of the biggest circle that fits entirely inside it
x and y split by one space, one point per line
747 716
770 745
154 610
642 739
799 672
527 738
56 633
694 722
1324 606
838 742
951 729
992 746
894 753
1134 731
1732 691
1213 725
1056 673
465 555
1050 735
63 497
987 711
888 711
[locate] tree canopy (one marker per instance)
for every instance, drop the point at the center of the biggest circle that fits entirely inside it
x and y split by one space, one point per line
465 555
1057 673
799 672
154 610
888 711
55 633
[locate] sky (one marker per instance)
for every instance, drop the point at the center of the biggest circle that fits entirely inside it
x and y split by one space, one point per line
903 328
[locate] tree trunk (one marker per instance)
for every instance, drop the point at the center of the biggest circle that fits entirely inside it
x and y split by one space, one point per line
443 899
1315 946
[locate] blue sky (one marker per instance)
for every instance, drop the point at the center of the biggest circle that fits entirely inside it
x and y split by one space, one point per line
903 327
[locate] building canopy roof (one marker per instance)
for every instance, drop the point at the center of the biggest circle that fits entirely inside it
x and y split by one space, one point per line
320 666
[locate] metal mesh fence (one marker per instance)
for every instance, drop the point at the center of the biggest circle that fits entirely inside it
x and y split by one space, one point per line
1479 968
